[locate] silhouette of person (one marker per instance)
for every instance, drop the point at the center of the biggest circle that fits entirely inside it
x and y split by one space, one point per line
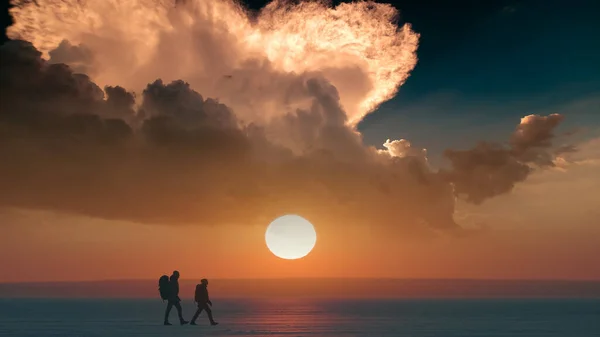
174 300
203 301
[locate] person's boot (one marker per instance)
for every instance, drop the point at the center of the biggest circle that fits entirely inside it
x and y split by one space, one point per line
210 318
167 323
183 322
194 318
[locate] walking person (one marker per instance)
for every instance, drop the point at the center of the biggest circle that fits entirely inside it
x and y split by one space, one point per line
204 303
173 299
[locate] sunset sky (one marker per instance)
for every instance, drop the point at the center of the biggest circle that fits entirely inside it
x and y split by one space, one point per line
288 112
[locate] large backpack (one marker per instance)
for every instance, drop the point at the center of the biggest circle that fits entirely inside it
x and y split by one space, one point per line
164 287
198 293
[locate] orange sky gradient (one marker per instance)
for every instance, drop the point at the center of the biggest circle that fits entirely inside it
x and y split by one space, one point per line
103 250
147 176
547 228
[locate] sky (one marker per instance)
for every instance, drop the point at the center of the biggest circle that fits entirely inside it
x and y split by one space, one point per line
484 67
119 175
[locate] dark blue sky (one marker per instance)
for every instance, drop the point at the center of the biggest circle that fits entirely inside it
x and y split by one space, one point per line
484 64
501 62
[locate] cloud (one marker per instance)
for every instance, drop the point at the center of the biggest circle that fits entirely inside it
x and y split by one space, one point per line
556 198
79 58
232 120
182 158
177 157
484 171
223 51
403 148
488 169
533 136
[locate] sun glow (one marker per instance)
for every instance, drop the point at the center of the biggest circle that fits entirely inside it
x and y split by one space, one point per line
290 237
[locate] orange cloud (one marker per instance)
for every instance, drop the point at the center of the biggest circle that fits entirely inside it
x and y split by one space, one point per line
177 157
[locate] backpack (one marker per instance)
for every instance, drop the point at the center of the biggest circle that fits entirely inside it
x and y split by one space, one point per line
198 293
163 287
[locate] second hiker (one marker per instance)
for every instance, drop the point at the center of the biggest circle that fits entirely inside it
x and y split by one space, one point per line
204 303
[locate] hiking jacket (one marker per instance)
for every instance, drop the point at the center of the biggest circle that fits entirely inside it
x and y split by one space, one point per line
174 285
203 295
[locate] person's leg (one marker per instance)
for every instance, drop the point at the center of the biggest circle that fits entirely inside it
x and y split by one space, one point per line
209 313
198 312
180 312
169 306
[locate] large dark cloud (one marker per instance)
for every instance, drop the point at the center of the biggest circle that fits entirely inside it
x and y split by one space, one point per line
488 170
172 156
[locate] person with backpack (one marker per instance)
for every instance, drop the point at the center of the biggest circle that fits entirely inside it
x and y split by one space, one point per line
169 290
204 303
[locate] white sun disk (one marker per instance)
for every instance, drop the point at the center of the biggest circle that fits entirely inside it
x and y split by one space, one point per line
290 237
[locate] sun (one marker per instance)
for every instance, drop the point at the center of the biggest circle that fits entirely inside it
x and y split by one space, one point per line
290 237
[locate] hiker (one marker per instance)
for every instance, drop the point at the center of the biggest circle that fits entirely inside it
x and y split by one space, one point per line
170 292
204 303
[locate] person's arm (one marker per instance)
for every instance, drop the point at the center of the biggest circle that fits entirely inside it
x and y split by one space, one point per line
208 299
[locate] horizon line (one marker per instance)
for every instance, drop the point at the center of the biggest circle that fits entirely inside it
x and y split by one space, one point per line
319 278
